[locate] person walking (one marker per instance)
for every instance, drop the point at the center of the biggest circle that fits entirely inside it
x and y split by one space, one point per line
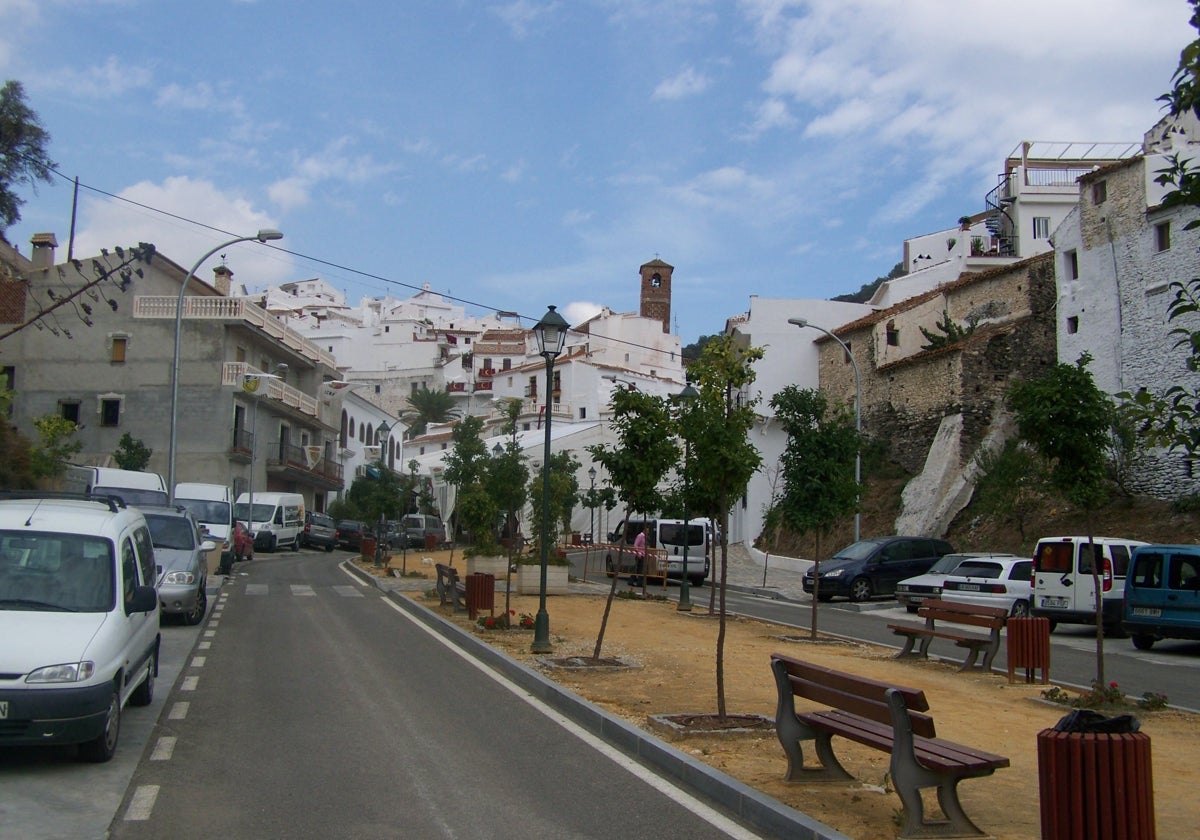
639 555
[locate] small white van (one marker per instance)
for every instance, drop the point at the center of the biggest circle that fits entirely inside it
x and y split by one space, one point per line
670 535
212 505
133 486
79 617
277 519
1063 587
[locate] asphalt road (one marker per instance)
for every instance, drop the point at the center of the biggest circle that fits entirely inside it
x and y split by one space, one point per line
321 710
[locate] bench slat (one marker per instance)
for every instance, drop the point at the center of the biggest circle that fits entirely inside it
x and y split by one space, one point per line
934 753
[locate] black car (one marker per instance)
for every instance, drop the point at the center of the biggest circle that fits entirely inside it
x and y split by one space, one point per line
350 533
874 566
320 531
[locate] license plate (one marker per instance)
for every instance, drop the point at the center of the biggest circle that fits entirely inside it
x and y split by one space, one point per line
1055 603
969 587
1149 612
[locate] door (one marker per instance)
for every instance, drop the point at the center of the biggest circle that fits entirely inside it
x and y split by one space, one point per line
1054 581
1181 604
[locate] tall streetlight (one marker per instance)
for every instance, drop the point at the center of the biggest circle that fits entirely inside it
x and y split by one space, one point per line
802 323
592 505
551 334
250 384
264 235
686 397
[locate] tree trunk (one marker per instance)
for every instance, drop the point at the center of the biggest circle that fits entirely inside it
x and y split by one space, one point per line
816 588
1099 603
721 617
612 593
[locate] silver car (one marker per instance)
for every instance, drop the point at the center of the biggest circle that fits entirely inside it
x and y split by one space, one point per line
994 582
914 590
181 555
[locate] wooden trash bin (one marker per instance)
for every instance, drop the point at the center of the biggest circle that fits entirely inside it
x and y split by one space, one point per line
1095 786
1028 648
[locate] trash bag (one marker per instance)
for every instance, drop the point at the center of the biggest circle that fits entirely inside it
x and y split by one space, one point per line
1089 720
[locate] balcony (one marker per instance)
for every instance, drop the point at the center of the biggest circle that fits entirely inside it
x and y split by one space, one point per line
456 387
231 309
234 373
483 386
293 463
486 372
242 446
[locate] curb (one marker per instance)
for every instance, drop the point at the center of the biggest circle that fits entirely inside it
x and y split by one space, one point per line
707 783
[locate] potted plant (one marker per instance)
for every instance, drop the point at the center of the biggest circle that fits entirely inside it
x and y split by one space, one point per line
529 574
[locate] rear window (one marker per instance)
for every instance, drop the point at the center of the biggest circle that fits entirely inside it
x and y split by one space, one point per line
1021 571
976 568
673 534
322 520
1147 570
1055 557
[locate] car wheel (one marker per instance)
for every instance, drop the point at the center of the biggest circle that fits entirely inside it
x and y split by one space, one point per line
329 548
143 695
296 544
1115 631
695 581
1143 642
911 608
196 614
104 746
1020 609
608 566
860 590
824 597
271 544
1053 624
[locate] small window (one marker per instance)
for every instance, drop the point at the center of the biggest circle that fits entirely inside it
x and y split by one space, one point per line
893 334
414 387
1073 325
1162 236
849 350
583 413
1099 192
1071 264
110 412
118 347
1041 227
69 410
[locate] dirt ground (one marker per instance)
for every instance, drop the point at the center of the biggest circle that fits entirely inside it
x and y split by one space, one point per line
674 656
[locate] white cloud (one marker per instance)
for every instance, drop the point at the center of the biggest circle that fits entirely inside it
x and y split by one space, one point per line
578 311
686 83
103 81
522 15
107 222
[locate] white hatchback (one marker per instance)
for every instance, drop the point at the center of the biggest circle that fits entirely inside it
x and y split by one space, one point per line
994 582
912 591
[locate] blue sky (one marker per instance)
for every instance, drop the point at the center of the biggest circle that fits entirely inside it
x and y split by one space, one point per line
535 152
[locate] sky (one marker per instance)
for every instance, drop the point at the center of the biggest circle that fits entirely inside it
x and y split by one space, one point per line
515 155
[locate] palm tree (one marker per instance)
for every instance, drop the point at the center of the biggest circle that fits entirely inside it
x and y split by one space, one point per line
427 407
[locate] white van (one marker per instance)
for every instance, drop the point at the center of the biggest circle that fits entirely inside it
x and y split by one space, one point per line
79 639
212 505
134 486
1063 588
670 535
277 519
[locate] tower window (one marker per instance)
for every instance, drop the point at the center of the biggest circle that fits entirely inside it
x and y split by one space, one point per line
1099 192
1162 236
110 412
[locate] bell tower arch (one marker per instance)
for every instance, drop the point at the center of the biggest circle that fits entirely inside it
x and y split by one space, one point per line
656 292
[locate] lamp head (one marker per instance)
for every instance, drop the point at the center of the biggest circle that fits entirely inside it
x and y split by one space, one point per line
799 322
592 473
551 334
268 235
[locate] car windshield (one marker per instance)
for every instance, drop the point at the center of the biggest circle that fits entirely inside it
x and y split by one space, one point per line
946 564
262 513
979 569
173 532
857 551
206 511
133 496
672 534
55 572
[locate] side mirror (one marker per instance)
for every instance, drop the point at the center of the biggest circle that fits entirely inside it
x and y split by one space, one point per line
143 600
207 545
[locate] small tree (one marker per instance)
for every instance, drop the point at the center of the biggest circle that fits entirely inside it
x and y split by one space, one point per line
1012 485
53 451
466 465
564 495
1068 420
818 469
643 454
16 467
23 158
132 454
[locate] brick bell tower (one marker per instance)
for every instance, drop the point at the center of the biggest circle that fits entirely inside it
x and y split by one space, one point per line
656 292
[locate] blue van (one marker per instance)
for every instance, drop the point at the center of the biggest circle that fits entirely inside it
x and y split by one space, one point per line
1162 594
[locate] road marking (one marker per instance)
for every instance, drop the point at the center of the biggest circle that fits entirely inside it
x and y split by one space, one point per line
189 683
198 661
163 749
256 589
204 646
179 710
141 804
348 591
676 794
208 634
303 590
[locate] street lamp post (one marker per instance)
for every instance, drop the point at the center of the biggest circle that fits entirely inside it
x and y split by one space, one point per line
686 397
587 557
802 323
264 235
551 334
249 388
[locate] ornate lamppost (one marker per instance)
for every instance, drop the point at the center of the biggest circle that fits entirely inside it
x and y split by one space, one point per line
551 335
686 397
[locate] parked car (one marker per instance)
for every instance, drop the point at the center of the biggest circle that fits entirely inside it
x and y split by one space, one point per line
181 555
875 566
912 591
350 534
79 634
419 526
993 582
1162 594
320 531
1064 589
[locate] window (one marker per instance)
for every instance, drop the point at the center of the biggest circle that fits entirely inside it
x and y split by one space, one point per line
583 413
1071 265
414 388
69 410
893 334
110 411
117 346
849 350
1041 227
1162 236
1099 192
1073 325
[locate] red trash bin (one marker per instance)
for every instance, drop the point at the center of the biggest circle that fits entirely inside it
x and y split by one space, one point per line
1095 785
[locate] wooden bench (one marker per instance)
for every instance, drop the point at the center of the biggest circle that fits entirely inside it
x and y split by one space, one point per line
889 718
938 613
451 589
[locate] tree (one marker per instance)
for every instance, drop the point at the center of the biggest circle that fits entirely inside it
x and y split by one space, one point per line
426 407
466 465
564 495
868 289
16 467
642 455
53 451
717 428
23 158
948 333
1012 484
819 488
132 454
1068 420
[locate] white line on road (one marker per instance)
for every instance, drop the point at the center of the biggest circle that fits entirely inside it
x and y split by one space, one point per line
198 661
189 683
142 803
179 710
676 794
163 748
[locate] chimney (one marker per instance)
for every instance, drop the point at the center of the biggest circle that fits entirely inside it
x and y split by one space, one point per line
222 279
43 250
